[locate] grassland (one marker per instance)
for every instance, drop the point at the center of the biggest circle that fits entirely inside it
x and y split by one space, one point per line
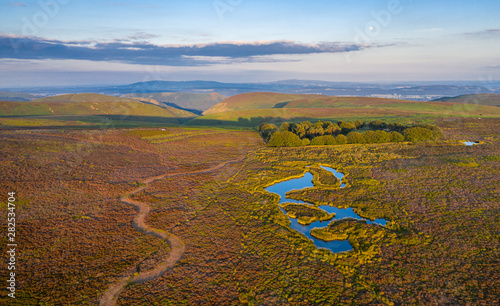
306 214
441 245
76 235
88 111
251 109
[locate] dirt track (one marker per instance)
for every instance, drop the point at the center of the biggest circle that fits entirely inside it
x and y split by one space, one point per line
177 246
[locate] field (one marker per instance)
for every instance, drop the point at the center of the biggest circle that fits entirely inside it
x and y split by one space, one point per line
88 111
76 238
251 109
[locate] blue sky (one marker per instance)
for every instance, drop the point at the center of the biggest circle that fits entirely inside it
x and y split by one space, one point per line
70 42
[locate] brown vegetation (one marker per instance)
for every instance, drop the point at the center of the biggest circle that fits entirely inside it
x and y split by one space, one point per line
440 247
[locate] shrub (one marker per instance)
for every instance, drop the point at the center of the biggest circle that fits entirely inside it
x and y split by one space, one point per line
382 136
341 139
416 134
306 142
315 131
377 125
330 128
359 124
323 140
266 130
299 129
396 137
436 131
285 139
347 127
285 126
370 137
355 137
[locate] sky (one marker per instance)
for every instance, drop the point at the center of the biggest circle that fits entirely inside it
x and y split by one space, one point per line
90 42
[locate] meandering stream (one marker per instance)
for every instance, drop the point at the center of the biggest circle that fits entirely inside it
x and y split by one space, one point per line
335 246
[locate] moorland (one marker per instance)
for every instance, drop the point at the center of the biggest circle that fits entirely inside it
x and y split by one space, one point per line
76 179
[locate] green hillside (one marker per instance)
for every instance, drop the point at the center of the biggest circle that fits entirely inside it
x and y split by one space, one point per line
251 109
88 104
88 110
255 100
479 99
187 101
16 96
268 100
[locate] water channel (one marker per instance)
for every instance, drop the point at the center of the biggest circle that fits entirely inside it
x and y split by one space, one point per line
335 246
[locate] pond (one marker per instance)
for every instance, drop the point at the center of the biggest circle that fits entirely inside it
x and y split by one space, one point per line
305 181
470 143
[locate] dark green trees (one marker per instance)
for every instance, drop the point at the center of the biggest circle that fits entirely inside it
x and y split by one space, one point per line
285 139
329 133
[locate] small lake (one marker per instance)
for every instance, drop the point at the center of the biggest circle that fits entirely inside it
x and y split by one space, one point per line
470 143
305 181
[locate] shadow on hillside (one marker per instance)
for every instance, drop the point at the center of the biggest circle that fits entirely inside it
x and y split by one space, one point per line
244 122
168 120
92 122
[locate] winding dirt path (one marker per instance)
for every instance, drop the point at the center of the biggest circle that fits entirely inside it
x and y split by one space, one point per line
177 246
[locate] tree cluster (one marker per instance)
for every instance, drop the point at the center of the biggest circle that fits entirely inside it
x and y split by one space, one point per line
291 134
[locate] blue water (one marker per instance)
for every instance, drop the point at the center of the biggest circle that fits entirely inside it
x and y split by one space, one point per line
305 181
469 143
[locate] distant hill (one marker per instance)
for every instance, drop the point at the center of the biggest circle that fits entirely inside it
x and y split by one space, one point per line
88 104
83 97
16 96
269 100
479 99
188 101
416 91
250 109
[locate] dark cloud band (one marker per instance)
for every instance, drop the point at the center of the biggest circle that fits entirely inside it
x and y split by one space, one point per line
18 47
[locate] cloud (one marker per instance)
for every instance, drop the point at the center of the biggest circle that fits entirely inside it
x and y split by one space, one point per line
131 50
484 33
18 4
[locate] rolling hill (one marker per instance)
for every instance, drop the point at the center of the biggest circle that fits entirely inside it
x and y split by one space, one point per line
91 104
16 96
251 109
479 99
88 109
188 101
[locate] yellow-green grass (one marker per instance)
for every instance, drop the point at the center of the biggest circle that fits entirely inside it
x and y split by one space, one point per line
87 122
395 114
254 108
324 178
26 122
133 108
253 100
306 214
